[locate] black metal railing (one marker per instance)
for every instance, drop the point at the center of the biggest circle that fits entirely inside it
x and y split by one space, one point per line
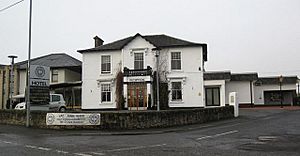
138 72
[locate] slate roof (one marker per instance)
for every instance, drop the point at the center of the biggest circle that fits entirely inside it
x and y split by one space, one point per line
159 41
244 76
217 75
275 80
55 60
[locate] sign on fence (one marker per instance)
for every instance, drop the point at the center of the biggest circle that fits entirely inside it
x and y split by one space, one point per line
72 119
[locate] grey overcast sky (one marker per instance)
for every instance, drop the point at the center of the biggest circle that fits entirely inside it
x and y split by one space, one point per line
242 35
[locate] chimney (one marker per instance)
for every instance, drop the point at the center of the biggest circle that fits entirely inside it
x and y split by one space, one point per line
98 41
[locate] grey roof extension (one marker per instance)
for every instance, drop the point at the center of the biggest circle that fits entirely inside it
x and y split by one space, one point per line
55 60
159 41
244 76
275 80
217 75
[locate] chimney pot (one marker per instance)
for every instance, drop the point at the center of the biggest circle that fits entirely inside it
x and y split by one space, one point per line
98 41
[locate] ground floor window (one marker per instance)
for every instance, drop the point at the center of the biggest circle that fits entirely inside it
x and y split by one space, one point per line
212 96
105 93
176 91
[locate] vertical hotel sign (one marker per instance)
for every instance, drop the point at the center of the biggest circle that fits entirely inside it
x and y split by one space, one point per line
39 85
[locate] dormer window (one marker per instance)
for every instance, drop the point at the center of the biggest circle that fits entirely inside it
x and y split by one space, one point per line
138 60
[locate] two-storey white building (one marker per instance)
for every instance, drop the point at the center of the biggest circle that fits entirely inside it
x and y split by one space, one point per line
180 65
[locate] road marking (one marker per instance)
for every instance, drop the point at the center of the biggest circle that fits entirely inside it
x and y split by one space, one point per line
226 133
205 137
217 135
82 154
44 148
96 153
135 148
121 149
59 151
30 146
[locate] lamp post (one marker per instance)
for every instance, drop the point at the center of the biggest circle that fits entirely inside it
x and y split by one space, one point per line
280 87
11 82
28 68
157 78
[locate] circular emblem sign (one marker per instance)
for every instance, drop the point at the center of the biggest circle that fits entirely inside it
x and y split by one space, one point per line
94 119
40 72
50 118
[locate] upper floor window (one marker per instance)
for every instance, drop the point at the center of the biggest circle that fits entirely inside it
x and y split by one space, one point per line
105 93
54 75
175 61
176 91
105 64
138 60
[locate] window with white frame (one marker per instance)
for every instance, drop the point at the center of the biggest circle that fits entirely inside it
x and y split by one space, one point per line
138 60
176 91
212 96
105 64
105 93
54 75
175 60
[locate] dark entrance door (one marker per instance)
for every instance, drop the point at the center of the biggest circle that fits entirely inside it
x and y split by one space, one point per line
137 95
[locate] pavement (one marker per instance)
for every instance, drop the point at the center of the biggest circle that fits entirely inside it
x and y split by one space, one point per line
271 132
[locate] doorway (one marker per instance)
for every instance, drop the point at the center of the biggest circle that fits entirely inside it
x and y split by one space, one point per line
137 96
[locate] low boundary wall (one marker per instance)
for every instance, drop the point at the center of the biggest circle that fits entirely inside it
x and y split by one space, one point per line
127 119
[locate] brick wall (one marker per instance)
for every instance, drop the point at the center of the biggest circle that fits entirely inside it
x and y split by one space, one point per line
128 119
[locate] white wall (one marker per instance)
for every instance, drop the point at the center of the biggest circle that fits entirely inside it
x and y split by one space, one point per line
138 45
92 78
193 89
221 85
259 91
243 91
22 81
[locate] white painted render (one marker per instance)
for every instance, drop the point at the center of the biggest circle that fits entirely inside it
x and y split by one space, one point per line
92 79
22 81
138 45
221 85
190 75
243 90
259 91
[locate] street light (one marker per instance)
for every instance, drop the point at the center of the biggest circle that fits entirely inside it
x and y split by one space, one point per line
280 85
12 57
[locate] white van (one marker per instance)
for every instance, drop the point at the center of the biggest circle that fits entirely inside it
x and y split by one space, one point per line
57 103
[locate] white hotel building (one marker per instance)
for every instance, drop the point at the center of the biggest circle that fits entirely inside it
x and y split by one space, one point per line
181 66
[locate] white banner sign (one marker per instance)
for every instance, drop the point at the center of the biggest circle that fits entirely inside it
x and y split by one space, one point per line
72 119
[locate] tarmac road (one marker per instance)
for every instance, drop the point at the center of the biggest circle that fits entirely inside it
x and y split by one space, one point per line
255 132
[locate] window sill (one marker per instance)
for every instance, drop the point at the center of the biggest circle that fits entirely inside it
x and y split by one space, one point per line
106 103
176 102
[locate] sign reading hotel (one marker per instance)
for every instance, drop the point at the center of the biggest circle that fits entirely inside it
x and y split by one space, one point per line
39 76
39 85
72 119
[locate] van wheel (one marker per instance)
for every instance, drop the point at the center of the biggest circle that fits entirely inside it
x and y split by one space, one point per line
62 109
